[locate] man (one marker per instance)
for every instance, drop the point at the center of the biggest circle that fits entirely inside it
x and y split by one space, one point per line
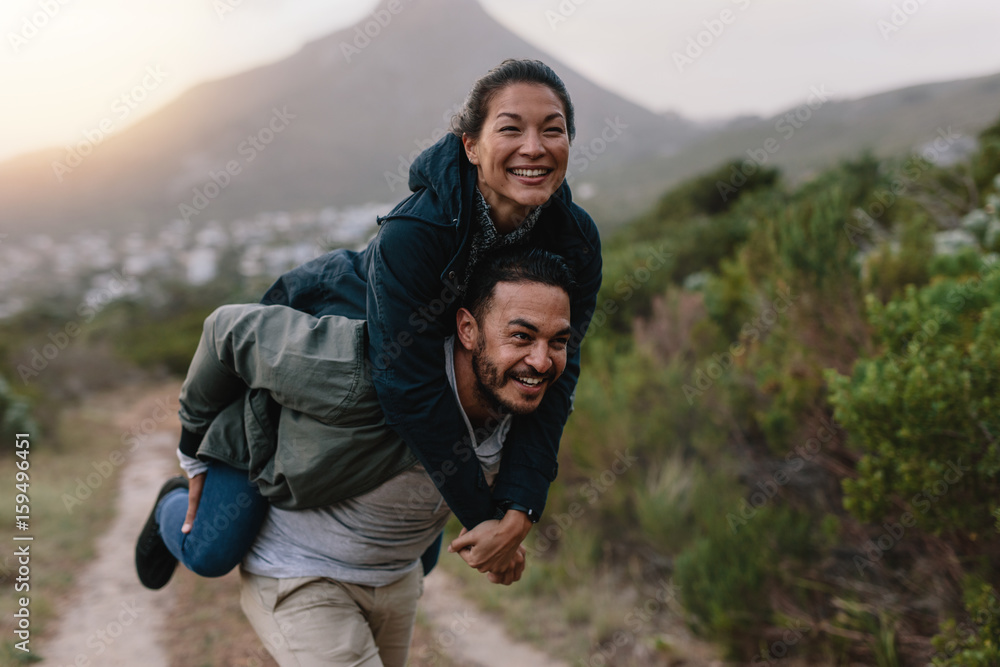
338 584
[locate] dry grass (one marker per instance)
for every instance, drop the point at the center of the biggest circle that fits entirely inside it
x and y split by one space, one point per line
206 626
579 616
73 441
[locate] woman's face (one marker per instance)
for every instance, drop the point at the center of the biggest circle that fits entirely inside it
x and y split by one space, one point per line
521 152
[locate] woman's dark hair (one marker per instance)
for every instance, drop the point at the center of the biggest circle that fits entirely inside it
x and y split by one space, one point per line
519 264
473 114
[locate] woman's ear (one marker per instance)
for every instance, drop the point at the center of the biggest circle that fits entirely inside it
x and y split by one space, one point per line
471 148
467 329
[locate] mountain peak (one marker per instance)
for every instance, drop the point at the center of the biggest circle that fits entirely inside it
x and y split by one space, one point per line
353 107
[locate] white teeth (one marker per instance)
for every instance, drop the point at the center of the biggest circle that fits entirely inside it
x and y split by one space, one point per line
531 382
529 173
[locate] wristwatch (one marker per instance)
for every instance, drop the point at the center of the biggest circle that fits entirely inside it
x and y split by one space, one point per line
505 505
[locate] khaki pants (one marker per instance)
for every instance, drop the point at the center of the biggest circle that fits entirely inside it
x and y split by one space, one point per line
317 622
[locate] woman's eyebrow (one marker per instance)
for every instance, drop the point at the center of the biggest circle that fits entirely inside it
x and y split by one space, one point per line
551 116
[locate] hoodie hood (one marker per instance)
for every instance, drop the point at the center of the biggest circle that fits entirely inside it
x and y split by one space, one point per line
441 169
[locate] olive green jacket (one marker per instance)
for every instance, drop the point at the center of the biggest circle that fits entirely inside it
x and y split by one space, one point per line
288 397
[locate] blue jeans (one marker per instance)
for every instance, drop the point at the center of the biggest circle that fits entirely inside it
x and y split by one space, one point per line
229 517
230 514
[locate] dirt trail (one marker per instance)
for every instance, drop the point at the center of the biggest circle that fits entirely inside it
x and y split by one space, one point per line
467 636
112 620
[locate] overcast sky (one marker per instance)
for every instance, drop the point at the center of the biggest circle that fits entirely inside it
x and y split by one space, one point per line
65 64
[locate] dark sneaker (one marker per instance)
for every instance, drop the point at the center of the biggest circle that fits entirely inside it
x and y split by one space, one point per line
153 561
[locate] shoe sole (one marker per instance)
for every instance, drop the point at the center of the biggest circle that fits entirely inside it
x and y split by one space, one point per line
153 561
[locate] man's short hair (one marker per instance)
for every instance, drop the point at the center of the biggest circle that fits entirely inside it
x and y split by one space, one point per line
515 265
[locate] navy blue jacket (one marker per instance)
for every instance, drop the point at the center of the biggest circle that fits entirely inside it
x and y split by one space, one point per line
405 283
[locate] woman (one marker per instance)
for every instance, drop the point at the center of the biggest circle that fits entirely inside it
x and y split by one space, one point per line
497 180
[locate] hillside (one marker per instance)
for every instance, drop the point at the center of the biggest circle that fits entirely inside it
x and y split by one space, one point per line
352 113
888 124
349 120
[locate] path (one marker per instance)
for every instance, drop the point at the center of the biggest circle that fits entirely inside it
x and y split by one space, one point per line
467 636
111 619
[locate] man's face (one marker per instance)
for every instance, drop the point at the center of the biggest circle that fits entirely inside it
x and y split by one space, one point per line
521 348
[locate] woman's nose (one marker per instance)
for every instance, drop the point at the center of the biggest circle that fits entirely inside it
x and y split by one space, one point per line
532 145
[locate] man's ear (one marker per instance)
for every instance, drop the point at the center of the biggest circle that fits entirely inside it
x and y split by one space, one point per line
467 329
471 148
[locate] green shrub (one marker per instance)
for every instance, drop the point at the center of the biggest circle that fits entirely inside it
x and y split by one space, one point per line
974 642
726 577
966 262
15 411
986 162
894 266
923 410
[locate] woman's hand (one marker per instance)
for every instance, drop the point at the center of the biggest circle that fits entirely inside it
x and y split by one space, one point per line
513 573
492 546
195 485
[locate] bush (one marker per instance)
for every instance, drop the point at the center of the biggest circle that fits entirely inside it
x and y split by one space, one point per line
725 578
15 412
976 641
923 410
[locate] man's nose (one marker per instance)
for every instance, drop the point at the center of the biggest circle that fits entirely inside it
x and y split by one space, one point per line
539 358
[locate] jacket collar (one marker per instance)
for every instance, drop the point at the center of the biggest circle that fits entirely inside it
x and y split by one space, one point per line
445 170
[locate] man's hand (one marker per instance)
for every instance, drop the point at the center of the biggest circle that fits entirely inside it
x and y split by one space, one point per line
195 485
513 573
492 545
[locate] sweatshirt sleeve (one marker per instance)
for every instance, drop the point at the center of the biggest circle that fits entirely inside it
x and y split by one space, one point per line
309 364
530 460
407 307
408 319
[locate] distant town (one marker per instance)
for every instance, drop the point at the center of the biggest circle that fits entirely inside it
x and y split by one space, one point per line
34 267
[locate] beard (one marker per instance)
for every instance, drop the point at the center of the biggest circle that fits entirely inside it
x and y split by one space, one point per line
489 380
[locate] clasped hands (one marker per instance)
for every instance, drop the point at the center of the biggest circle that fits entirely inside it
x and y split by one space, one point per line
494 547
